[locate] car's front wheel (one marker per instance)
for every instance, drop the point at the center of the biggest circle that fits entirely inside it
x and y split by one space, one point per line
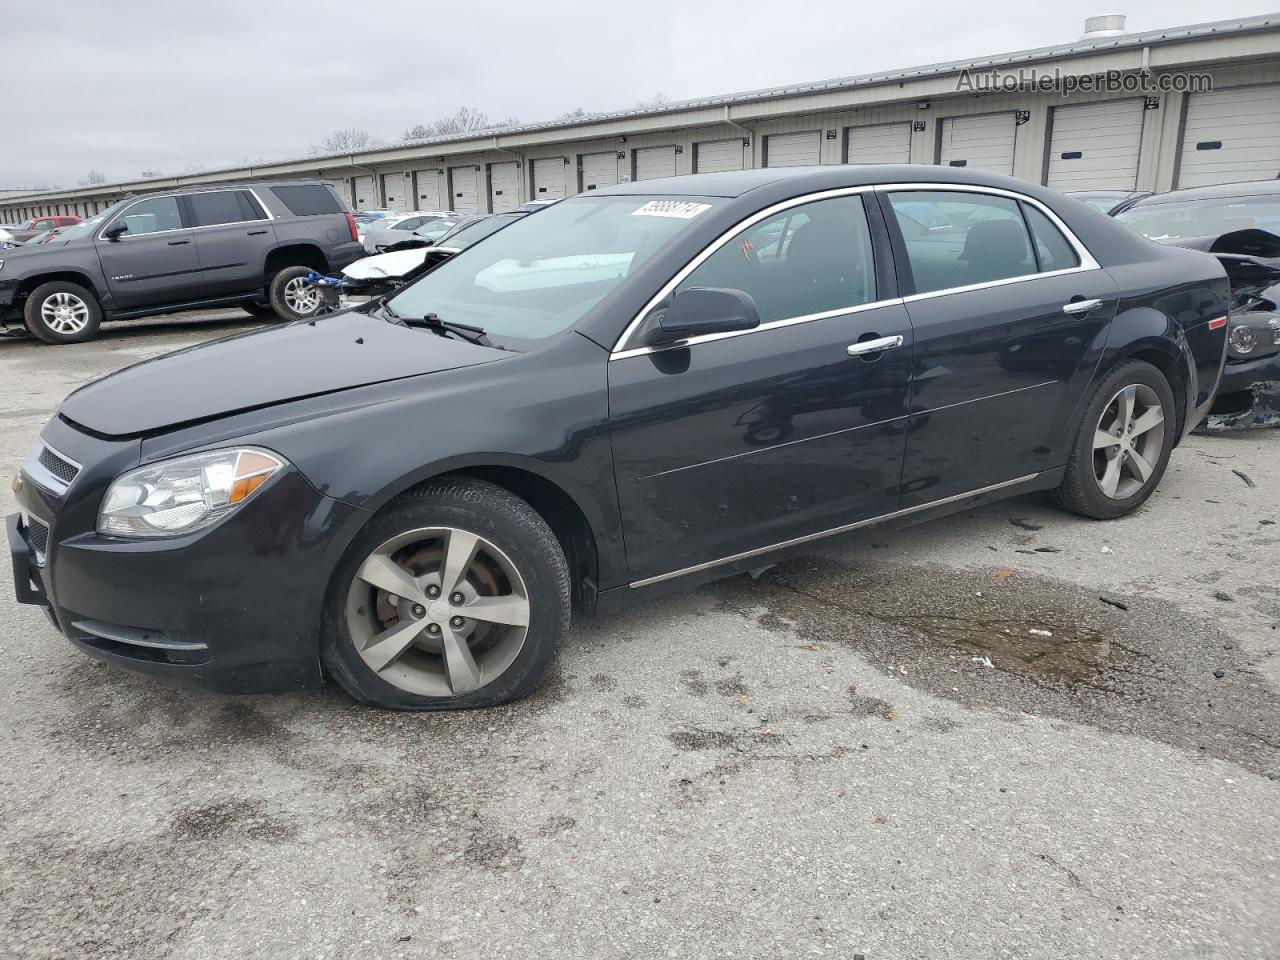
292 296
1123 444
454 596
62 312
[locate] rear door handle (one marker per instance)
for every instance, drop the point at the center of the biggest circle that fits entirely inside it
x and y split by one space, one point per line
178 243
878 345
256 233
1077 307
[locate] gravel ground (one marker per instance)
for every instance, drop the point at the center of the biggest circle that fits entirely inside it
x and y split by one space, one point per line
1010 733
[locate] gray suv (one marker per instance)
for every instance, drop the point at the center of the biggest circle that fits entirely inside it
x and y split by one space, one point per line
247 244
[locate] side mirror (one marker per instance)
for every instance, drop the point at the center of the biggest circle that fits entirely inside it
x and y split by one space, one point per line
702 310
116 230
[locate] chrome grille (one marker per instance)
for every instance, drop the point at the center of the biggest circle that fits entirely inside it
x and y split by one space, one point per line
58 465
38 537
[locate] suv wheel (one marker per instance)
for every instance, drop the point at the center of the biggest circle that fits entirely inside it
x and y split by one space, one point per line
292 297
62 312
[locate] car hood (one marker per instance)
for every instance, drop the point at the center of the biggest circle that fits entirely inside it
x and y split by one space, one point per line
262 368
28 249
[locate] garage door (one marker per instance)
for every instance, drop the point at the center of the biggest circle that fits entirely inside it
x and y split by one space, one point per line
426 190
504 187
1094 146
979 143
598 170
365 197
653 162
792 149
1231 135
881 143
548 178
464 189
394 194
711 156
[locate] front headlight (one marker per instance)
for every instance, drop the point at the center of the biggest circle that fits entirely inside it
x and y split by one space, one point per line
1243 339
173 497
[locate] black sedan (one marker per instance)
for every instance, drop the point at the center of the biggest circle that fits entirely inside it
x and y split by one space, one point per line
1239 223
638 389
1109 202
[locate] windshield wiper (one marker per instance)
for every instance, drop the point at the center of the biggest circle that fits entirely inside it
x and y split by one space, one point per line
467 332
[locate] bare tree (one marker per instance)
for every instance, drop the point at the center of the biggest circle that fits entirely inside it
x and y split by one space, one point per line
575 114
347 140
192 168
465 120
92 178
657 100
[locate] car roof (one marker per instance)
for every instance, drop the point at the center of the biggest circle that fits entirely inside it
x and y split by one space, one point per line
1253 188
736 183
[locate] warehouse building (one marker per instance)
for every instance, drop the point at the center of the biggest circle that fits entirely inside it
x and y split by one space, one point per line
1186 106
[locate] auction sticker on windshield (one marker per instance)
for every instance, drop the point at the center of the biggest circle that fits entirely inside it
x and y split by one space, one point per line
679 209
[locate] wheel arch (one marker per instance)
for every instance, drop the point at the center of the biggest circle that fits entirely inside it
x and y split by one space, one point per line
295 255
27 285
1147 334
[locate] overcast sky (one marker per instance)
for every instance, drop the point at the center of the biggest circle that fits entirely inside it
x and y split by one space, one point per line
126 85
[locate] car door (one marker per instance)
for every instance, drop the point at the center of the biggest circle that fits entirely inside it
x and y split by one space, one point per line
154 261
233 237
1010 313
730 443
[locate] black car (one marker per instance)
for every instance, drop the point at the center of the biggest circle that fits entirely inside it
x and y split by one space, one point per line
1239 223
1109 202
248 244
637 389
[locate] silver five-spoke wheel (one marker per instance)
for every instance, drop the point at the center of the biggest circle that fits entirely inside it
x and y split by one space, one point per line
438 611
65 313
301 296
1128 441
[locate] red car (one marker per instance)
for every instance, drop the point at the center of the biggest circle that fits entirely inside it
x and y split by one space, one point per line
44 224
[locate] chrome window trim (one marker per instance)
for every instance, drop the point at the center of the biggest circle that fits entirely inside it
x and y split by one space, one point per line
619 354
845 528
161 196
1087 261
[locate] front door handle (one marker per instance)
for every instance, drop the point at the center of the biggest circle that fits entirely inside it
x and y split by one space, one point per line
1078 307
880 344
178 243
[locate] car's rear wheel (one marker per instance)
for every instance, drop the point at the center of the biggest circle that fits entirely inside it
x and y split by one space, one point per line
454 596
1123 444
292 296
62 312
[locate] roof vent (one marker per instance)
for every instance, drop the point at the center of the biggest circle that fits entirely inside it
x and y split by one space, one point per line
1110 25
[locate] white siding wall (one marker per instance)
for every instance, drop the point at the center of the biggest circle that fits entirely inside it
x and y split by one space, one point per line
793 149
713 156
597 170
878 143
504 186
979 143
464 184
1231 135
1095 146
651 162
548 178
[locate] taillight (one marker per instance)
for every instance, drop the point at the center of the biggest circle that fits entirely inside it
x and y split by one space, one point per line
1217 323
355 235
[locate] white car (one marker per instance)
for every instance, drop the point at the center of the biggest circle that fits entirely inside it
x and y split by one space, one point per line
383 233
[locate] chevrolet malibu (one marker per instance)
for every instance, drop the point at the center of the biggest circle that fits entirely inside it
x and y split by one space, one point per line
638 389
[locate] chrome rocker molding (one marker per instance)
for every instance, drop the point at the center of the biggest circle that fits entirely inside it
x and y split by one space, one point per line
846 528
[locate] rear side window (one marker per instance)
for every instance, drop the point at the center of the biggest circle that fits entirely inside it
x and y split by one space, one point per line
808 259
956 239
1052 249
223 206
308 200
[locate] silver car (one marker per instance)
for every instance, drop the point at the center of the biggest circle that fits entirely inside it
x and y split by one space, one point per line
383 233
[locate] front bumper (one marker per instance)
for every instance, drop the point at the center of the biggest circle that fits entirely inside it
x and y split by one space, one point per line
237 607
1248 396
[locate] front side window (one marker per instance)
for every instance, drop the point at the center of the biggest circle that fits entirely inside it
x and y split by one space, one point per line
152 216
956 239
812 258
541 274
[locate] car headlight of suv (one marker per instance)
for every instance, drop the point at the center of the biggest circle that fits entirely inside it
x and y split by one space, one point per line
178 496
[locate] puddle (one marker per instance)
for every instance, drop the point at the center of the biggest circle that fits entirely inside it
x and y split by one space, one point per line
1001 639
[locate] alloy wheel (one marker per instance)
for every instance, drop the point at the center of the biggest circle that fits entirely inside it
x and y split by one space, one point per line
64 313
301 297
1128 441
438 612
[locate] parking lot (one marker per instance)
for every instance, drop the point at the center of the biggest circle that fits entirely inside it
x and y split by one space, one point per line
1010 733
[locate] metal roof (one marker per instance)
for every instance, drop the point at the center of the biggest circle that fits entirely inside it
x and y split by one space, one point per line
1095 45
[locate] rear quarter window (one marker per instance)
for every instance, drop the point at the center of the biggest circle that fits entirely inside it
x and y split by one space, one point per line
308 200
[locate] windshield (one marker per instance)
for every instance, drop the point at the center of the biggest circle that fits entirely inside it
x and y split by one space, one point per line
435 229
476 231
541 274
81 229
1105 203
1203 218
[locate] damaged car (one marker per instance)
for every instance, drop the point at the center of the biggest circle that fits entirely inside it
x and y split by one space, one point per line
1239 223
613 397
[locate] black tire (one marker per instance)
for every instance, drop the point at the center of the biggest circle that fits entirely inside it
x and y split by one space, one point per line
33 312
259 309
1081 490
277 292
512 526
